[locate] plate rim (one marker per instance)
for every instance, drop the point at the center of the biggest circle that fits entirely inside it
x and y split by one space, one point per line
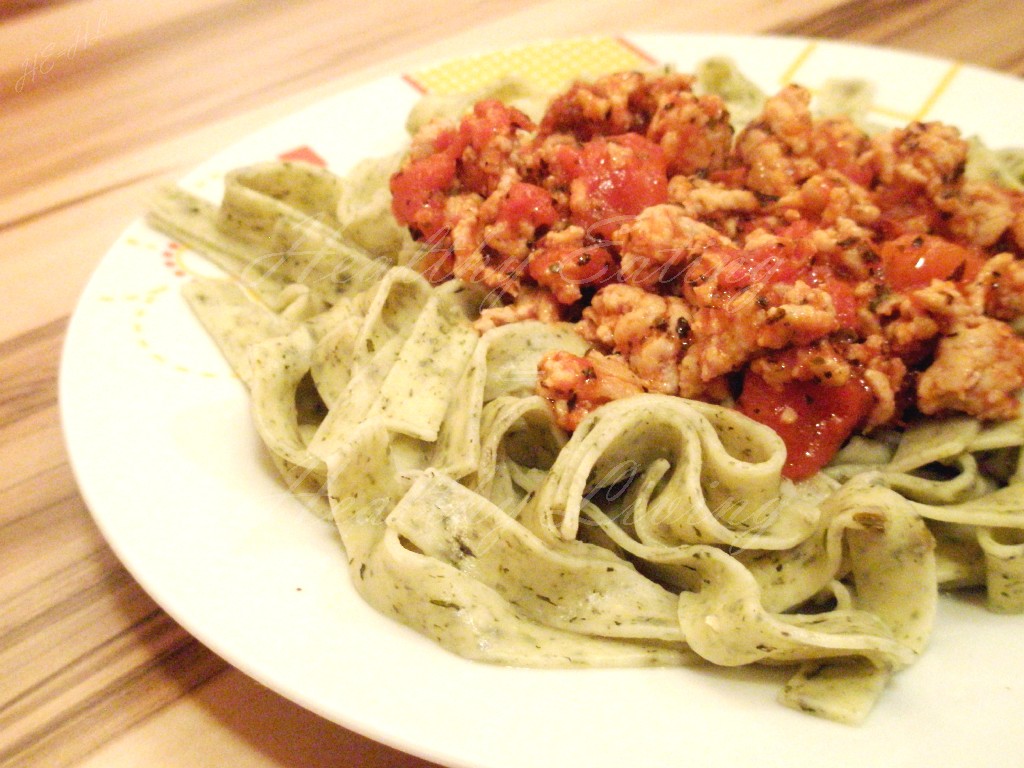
75 442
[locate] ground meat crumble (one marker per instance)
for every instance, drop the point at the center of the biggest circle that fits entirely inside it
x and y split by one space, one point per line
799 255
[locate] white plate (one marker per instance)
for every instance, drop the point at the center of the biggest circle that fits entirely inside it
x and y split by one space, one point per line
161 442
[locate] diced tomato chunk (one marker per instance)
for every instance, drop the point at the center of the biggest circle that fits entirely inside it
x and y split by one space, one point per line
781 262
479 146
797 229
844 300
528 203
418 193
813 420
904 211
914 260
566 268
617 178
733 178
450 142
839 153
488 119
564 163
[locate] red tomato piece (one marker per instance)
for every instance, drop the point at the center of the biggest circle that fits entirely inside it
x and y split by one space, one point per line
566 268
528 203
914 260
488 119
765 265
478 145
733 178
303 154
905 211
564 163
841 153
844 299
813 420
796 230
418 193
616 179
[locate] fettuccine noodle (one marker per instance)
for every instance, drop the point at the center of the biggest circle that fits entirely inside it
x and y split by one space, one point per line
660 532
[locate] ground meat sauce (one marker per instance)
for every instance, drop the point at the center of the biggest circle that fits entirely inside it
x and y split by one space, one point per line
823 280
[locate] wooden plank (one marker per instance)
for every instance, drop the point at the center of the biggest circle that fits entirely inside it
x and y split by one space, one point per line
28 371
84 652
933 27
102 693
268 732
103 98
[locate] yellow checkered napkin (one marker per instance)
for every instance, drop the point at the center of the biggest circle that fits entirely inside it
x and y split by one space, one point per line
547 66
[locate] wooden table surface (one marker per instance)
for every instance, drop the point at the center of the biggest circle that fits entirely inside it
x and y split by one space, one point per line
101 99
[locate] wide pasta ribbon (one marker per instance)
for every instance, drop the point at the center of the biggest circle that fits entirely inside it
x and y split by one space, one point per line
393 353
519 442
276 225
504 362
451 565
572 586
721 483
403 362
234 321
1004 568
660 532
979 525
880 624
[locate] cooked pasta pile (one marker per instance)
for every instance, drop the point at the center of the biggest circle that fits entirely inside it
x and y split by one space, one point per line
649 528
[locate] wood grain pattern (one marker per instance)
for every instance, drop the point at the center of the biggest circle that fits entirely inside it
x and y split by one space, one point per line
100 100
13 8
78 636
988 33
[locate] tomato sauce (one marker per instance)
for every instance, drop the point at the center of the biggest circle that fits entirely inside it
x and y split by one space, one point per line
813 419
699 258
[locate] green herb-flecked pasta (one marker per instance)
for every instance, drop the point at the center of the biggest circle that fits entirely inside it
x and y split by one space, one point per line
661 532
